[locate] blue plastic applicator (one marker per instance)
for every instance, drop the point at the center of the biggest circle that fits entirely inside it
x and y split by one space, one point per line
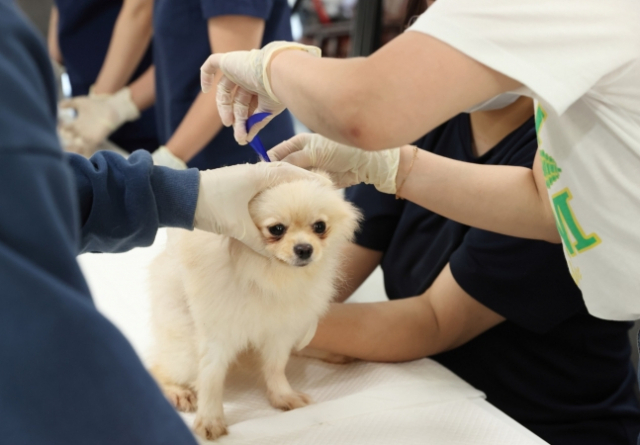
256 143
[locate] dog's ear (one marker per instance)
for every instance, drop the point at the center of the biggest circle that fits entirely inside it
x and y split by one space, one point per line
322 173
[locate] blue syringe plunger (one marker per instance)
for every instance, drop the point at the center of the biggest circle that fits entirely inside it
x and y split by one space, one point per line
256 143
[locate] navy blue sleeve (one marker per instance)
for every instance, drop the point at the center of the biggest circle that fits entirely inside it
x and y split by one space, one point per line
68 376
381 213
124 201
253 8
494 268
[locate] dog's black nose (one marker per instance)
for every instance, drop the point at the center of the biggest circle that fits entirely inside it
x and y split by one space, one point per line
303 251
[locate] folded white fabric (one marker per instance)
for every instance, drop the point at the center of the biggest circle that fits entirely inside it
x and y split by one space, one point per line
419 402
366 403
458 422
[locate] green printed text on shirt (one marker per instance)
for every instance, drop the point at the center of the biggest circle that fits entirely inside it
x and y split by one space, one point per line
550 169
571 232
541 116
574 238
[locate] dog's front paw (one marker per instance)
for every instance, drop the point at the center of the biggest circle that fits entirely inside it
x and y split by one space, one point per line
288 401
210 428
182 399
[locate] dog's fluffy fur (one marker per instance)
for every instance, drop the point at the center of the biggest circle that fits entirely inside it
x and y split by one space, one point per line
213 297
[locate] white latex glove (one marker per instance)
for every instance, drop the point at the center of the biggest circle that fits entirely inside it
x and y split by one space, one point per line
249 72
97 117
346 165
163 156
223 200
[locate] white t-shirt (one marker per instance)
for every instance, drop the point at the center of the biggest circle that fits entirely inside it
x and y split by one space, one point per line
580 60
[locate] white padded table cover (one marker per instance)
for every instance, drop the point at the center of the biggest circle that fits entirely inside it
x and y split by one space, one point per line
418 402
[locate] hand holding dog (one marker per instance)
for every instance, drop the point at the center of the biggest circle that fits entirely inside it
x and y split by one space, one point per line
346 165
225 193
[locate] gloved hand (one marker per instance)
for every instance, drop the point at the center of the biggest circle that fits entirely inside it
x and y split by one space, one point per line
249 71
346 165
223 200
97 117
163 156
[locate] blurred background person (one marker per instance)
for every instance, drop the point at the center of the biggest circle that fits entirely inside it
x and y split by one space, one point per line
186 33
105 47
104 44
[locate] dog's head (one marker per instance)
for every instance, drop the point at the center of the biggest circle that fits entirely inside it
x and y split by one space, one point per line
303 219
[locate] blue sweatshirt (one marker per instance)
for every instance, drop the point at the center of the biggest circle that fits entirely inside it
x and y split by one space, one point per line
67 375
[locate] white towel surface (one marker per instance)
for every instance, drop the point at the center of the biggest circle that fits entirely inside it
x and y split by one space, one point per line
419 402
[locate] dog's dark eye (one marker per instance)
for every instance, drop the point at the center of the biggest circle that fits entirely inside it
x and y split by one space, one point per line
319 227
277 230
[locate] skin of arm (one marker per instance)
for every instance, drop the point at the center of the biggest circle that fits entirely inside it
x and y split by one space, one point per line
202 121
504 199
366 103
516 196
442 318
131 36
143 89
52 37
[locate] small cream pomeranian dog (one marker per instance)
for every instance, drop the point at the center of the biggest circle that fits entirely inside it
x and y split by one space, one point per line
212 297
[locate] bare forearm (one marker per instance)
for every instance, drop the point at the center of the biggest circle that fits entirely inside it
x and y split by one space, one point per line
143 89
502 199
319 92
442 318
202 121
394 331
388 99
130 39
52 37
199 126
